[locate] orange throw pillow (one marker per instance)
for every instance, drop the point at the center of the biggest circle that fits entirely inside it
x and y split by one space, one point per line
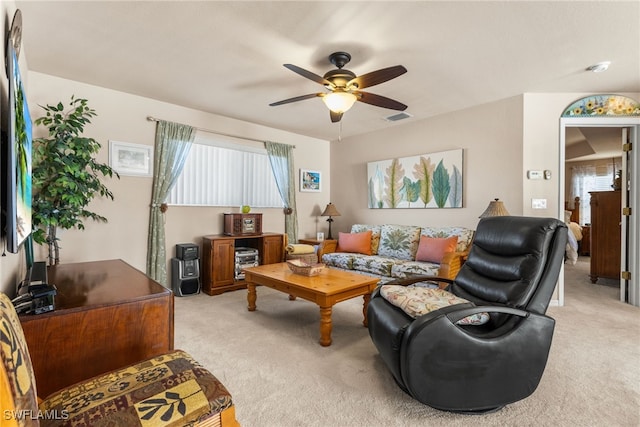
359 243
432 249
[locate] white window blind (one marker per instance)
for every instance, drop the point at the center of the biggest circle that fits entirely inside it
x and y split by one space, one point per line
586 178
219 172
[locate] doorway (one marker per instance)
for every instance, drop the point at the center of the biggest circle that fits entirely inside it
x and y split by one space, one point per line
629 129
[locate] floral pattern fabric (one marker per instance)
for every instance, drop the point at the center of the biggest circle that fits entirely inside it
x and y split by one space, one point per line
399 241
414 268
418 301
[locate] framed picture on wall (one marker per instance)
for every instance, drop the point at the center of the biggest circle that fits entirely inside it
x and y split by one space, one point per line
310 180
131 159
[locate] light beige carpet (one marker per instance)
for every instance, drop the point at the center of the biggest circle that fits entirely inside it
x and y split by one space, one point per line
279 375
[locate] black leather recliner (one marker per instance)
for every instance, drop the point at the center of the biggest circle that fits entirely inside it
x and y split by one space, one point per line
511 273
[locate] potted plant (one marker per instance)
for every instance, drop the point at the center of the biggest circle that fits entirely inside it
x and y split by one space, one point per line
65 174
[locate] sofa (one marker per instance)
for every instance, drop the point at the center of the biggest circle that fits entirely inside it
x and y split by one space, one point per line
392 251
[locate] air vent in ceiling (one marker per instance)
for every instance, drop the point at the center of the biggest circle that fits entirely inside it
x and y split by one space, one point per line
399 116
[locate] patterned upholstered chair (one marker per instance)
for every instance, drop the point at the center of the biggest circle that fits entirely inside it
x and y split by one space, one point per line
167 390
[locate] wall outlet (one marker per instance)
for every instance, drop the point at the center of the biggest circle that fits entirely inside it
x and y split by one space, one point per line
539 203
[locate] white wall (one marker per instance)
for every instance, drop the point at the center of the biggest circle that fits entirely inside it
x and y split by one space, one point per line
123 117
491 137
541 147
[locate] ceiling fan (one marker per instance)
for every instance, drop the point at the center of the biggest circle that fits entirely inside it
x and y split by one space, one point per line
344 86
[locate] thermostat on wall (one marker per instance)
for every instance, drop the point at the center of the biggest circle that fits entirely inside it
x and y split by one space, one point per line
534 174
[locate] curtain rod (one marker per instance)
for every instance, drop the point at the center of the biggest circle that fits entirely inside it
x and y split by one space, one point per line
153 119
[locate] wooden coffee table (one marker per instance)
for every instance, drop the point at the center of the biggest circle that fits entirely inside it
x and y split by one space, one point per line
326 289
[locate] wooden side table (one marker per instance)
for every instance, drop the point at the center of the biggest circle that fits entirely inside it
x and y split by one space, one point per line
108 315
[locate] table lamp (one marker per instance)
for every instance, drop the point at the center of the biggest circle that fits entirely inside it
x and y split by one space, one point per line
330 211
495 208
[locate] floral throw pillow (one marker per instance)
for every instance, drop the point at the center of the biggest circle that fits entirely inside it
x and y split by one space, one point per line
399 241
418 301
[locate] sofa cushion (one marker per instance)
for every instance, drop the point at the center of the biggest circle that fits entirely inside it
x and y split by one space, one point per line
359 243
465 235
342 260
412 268
399 241
432 249
375 235
371 264
375 264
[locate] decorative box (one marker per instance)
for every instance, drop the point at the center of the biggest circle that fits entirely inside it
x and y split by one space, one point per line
238 224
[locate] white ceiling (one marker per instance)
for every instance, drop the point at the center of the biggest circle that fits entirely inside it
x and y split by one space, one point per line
226 57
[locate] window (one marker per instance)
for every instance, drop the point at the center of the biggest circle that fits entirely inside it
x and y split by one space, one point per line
586 178
222 172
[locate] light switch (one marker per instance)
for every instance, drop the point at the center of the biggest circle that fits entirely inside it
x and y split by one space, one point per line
539 203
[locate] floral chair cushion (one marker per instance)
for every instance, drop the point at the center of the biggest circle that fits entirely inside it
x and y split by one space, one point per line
17 381
417 301
399 241
465 235
171 389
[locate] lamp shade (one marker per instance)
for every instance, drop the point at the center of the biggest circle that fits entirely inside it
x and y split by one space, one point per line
339 102
495 208
330 210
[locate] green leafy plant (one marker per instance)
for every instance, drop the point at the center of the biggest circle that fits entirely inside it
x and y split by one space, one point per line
66 175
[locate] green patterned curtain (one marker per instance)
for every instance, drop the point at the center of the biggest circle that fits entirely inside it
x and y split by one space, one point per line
281 159
173 142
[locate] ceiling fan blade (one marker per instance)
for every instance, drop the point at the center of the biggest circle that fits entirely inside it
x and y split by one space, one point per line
295 99
376 77
308 74
379 101
335 117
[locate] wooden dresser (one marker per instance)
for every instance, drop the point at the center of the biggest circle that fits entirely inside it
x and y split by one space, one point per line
108 315
218 258
605 234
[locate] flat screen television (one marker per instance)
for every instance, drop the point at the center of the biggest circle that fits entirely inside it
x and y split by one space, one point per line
16 156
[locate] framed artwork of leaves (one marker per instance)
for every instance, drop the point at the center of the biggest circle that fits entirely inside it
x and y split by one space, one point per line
420 182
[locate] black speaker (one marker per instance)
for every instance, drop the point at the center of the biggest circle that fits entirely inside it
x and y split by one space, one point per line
185 276
186 251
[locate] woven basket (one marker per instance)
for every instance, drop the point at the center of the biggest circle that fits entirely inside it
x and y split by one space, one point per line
300 267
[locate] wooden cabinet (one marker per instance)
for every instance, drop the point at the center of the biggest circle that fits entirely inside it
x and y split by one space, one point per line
605 234
108 315
218 258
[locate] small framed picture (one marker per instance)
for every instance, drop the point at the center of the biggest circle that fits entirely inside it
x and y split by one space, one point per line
320 236
310 180
131 159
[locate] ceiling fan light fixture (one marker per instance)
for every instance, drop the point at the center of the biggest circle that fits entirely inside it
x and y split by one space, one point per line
599 67
339 102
